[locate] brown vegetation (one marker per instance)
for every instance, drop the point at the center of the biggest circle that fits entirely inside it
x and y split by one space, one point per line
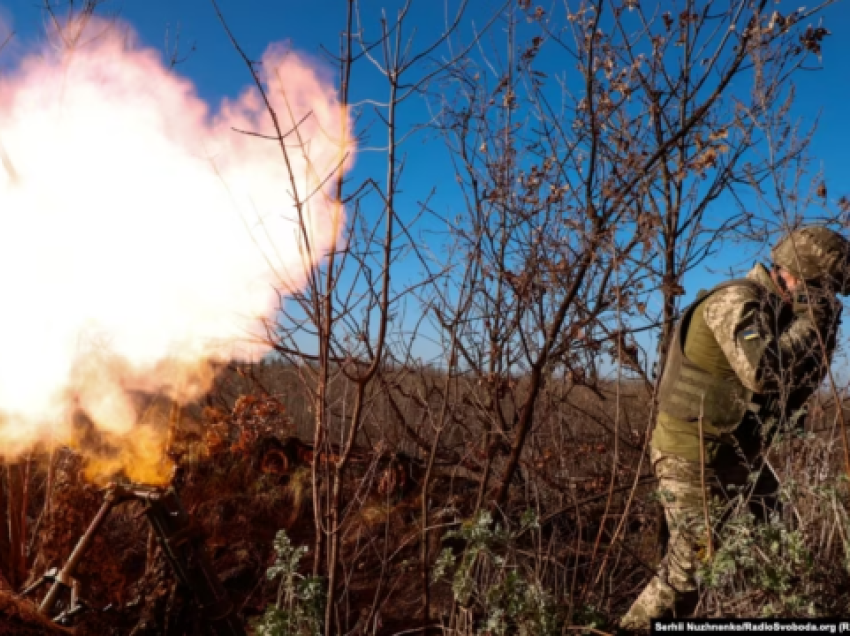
506 480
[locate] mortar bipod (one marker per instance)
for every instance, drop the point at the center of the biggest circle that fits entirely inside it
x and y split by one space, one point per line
180 541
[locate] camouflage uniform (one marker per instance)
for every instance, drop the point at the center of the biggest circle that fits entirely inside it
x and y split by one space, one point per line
746 360
679 486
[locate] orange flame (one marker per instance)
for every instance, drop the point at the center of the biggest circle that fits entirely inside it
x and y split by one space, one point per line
142 237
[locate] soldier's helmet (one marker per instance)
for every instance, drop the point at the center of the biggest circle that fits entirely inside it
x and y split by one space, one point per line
818 255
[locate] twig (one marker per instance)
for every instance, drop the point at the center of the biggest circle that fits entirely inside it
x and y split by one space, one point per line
708 535
575 628
646 479
14 177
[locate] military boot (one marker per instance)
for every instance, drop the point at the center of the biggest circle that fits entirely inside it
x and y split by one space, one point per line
657 600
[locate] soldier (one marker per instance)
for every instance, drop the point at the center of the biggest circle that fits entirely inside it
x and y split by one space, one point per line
745 357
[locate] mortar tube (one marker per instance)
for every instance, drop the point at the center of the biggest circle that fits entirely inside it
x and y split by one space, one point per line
67 572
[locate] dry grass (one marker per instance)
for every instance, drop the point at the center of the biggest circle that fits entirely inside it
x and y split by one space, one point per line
571 479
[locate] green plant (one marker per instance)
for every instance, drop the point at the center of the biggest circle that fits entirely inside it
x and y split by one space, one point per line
769 560
299 607
488 580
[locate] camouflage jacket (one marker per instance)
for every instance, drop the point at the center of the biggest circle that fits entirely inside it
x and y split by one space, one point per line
765 350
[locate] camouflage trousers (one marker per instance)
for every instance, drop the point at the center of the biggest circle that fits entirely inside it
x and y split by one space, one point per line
681 493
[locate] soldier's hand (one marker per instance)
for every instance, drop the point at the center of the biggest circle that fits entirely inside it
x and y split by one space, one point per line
825 309
824 304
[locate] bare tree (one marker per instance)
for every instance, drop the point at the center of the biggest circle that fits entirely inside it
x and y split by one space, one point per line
614 162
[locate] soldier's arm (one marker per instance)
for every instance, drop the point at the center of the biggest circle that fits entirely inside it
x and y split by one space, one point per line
817 322
763 358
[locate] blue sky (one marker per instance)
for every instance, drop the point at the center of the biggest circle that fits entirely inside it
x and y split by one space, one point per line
217 71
